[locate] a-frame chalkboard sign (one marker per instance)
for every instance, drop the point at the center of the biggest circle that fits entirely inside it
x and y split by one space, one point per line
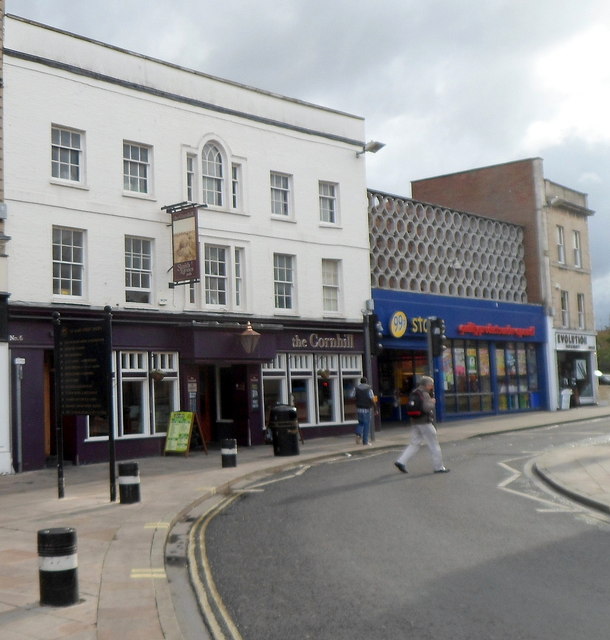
180 433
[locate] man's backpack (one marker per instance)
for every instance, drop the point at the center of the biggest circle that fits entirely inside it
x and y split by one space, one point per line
415 405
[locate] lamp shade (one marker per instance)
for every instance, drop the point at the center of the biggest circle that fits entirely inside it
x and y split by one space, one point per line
249 338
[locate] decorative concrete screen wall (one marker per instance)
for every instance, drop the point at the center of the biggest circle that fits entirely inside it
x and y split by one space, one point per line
426 248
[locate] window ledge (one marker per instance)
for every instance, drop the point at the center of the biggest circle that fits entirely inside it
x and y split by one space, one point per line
139 196
69 300
69 183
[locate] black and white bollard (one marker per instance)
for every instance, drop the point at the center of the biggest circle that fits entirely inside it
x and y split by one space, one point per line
58 567
129 482
228 451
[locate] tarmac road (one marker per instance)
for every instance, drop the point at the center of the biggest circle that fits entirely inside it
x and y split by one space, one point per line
352 549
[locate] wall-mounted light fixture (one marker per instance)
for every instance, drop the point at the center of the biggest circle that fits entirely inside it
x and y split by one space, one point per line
249 338
372 146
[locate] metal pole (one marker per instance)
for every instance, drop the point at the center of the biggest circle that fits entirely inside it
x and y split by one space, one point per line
59 430
429 347
110 404
368 366
19 362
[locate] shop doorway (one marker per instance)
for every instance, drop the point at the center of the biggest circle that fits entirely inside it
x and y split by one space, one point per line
399 372
223 403
575 374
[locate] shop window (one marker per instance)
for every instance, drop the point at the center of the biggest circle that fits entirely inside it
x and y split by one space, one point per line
326 399
134 406
146 392
300 394
484 371
532 367
273 393
320 386
163 403
448 377
349 398
459 359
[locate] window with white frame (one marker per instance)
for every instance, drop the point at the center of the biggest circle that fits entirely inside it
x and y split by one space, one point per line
216 273
68 261
236 186
212 172
577 249
138 269
330 285
147 393
238 263
191 170
136 167
561 246
164 392
580 299
283 280
320 385
223 276
66 154
280 194
147 380
328 202
327 391
565 310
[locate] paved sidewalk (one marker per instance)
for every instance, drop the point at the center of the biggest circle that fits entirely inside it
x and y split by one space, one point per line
123 589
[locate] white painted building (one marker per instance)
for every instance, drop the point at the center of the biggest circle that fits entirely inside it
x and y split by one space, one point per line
97 141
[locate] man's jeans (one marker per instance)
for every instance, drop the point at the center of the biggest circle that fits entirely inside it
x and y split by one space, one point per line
364 421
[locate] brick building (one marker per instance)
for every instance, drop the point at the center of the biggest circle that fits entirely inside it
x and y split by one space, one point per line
556 256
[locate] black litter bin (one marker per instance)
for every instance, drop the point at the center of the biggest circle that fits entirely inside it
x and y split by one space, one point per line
284 428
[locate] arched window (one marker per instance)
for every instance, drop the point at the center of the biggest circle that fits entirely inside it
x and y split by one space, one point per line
213 175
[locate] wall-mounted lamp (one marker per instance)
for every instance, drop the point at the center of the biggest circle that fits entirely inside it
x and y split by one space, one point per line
372 146
157 375
249 338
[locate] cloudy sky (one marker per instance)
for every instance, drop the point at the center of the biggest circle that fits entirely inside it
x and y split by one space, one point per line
448 85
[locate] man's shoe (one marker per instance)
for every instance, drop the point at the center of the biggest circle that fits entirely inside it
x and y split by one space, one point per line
401 467
443 470
358 439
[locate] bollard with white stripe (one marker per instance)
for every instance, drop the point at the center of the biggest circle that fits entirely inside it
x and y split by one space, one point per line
228 451
129 482
58 567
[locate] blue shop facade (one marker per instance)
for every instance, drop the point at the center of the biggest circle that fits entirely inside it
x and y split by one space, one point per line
494 361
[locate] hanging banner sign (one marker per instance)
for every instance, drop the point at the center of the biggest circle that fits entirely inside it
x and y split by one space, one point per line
185 242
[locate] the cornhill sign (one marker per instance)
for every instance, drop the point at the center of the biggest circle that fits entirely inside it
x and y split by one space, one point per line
316 341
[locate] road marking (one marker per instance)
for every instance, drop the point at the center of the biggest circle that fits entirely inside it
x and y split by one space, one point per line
552 506
156 525
147 573
247 490
205 587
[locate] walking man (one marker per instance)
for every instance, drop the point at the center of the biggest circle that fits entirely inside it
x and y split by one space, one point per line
365 401
422 428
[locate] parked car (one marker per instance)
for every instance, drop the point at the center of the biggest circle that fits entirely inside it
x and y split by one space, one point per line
604 378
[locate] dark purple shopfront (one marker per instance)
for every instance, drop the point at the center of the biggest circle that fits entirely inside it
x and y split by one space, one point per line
226 372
